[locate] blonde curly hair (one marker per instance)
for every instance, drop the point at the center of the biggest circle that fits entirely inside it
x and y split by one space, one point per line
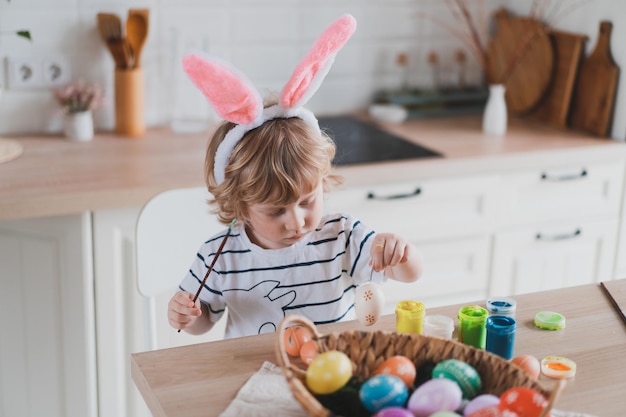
277 162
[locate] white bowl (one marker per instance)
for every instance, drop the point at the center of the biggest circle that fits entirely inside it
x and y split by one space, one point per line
391 113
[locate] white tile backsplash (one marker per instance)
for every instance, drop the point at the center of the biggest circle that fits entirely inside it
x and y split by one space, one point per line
264 38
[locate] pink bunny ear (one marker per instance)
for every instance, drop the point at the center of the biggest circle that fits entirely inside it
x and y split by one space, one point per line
310 73
233 97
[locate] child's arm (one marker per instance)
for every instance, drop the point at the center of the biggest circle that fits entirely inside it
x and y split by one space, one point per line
182 313
401 260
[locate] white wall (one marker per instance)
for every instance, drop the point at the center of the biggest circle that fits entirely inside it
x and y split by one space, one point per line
264 38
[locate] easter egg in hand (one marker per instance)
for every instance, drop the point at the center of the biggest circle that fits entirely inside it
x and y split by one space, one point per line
400 366
368 303
294 338
528 363
328 372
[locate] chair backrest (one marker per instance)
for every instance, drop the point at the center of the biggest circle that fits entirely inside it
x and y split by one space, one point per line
170 229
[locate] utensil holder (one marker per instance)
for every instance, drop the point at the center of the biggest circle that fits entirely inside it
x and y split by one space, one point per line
129 102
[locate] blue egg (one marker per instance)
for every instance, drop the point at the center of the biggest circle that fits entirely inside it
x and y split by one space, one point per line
383 391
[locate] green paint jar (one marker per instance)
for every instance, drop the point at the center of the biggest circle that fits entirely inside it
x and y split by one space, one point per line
472 326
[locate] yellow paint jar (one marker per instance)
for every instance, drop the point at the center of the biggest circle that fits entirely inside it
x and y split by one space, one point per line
410 317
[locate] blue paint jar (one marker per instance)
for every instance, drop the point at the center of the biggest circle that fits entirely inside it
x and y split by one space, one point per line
501 335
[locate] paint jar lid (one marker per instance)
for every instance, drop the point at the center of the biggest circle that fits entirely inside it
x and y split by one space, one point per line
558 367
501 305
549 320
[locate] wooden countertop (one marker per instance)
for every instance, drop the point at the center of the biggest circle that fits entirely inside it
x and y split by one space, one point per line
55 177
202 379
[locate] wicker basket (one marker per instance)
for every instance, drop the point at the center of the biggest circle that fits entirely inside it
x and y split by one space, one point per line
368 349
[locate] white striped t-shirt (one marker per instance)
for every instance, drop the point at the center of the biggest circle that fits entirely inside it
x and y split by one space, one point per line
315 278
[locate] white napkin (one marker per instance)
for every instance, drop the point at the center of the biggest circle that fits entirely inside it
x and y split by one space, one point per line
266 394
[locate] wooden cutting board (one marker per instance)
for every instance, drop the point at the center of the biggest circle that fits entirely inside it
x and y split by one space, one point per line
527 39
569 49
594 95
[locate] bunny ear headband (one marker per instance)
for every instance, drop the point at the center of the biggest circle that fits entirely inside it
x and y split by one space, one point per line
235 99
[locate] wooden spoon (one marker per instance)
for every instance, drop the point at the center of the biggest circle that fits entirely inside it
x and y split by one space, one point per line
137 32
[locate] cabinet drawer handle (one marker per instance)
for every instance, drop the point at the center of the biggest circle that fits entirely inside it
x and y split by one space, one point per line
567 177
372 196
563 236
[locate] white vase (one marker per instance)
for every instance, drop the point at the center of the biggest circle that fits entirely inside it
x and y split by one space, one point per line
78 127
495 115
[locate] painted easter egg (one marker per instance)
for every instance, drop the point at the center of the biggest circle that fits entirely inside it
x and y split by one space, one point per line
462 373
394 412
294 338
528 363
445 414
400 366
486 412
369 300
435 395
308 352
524 402
328 372
382 391
480 402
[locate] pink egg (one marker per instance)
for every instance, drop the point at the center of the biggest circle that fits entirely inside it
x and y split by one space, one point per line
394 412
440 394
480 402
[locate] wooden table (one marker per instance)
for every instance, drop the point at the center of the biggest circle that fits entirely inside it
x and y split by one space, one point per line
202 379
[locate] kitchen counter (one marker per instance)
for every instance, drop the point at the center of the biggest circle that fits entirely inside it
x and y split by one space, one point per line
54 176
175 382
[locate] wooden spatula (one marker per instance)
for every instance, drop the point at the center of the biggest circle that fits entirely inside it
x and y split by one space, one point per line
594 95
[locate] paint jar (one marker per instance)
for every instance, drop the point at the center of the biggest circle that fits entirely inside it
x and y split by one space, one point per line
410 317
437 325
501 335
472 326
501 306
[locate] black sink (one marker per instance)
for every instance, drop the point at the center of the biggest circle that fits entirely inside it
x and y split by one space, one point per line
360 142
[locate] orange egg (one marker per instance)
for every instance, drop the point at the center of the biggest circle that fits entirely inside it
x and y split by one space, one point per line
294 338
308 351
400 366
528 363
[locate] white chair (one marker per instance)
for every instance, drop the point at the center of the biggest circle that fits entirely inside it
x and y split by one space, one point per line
170 229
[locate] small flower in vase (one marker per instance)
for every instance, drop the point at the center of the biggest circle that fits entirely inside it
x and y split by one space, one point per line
79 97
78 100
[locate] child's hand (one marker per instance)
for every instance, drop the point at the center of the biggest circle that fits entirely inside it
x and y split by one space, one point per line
388 249
181 310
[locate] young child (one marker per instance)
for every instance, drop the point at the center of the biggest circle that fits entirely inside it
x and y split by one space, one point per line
268 168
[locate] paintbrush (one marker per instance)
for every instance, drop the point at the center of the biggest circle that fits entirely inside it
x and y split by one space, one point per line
217 255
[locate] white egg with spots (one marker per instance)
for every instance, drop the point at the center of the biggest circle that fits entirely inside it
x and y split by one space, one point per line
368 303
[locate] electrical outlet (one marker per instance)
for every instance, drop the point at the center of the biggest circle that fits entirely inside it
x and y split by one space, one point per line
55 71
24 73
37 72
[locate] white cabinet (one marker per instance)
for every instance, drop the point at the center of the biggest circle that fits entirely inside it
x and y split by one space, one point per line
47 346
558 227
553 255
449 220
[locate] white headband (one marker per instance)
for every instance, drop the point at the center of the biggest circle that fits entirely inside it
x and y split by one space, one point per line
235 99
